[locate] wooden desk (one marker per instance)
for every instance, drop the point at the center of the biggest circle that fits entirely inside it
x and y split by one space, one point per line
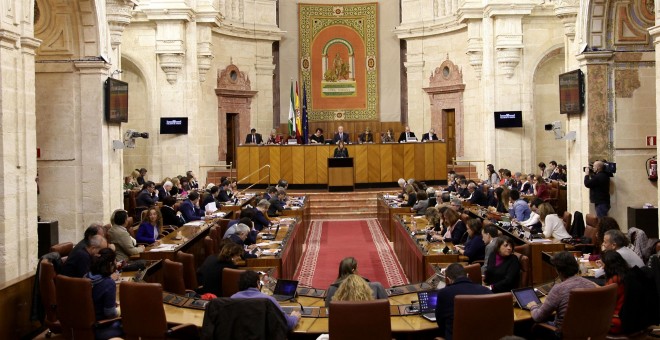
387 208
287 260
192 242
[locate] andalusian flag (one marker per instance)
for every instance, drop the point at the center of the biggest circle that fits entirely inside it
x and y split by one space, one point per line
305 124
292 115
298 118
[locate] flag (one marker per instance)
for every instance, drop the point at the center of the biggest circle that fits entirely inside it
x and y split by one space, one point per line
305 125
298 118
292 115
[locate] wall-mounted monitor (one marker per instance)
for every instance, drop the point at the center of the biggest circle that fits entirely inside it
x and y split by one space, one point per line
508 119
571 92
174 126
116 101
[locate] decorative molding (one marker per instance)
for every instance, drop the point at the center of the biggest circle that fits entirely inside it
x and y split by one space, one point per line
256 32
30 45
508 59
171 64
567 12
593 58
118 14
9 40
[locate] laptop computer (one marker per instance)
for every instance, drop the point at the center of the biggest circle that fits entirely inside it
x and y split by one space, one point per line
524 296
427 302
285 290
270 236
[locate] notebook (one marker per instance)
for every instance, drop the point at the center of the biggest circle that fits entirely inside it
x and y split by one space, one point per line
271 236
524 296
285 290
427 303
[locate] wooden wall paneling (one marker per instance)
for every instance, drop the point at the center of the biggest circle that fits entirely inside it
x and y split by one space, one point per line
440 160
311 169
322 163
254 164
264 158
421 162
386 163
286 166
397 162
429 168
408 160
274 160
298 161
373 167
242 157
360 163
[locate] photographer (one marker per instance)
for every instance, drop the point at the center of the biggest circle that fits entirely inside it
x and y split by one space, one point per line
598 183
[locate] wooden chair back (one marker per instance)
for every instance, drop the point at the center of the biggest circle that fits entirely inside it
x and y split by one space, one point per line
75 308
473 316
230 281
374 321
589 312
173 281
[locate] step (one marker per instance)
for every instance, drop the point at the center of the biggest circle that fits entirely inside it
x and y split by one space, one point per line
344 215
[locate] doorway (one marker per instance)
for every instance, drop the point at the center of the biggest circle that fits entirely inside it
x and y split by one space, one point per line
450 132
232 136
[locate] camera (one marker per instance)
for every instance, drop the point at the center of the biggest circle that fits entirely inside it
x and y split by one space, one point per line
135 134
608 167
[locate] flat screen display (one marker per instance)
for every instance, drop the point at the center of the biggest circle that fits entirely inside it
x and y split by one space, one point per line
571 92
174 126
116 101
508 119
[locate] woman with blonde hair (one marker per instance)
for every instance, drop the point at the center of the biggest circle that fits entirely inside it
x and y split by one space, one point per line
348 267
354 288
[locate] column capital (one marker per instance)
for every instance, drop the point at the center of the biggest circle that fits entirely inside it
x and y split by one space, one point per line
596 57
567 12
119 15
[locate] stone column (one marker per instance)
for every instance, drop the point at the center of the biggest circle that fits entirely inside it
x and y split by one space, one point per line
416 82
118 14
262 118
655 34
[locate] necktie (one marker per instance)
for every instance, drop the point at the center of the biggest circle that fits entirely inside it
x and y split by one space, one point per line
341 136
254 139
407 135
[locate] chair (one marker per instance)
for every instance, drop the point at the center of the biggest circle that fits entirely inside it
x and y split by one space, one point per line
64 249
230 281
373 321
173 281
588 313
209 246
568 220
144 315
48 298
214 233
75 308
525 270
473 316
225 318
189 273
465 218
474 272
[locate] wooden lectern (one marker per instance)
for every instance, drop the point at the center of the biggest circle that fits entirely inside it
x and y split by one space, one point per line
340 174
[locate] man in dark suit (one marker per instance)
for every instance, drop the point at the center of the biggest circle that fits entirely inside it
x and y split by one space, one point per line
458 284
403 137
477 195
253 137
341 135
224 194
277 204
190 208
430 135
147 197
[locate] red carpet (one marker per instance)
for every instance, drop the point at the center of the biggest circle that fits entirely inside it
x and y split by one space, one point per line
328 242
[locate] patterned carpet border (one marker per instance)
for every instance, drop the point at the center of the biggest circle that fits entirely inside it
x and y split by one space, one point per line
390 262
308 265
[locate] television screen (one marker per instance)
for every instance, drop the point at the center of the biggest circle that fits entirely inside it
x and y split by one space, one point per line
508 119
174 126
116 101
571 92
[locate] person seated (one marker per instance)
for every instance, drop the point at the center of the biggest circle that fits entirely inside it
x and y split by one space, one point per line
366 136
454 230
433 218
347 267
553 225
534 220
615 268
142 178
249 285
241 234
419 208
148 196
462 189
457 284
541 189
475 248
341 151
353 288
557 300
104 293
503 268
341 136
430 135
277 204
149 230
170 216
192 180
128 183
409 196
164 190
405 135
274 138
525 185
260 212
190 209
489 235
125 244
253 137
224 192
247 220
520 210
282 184
79 260
617 240
317 137
476 195
388 136
209 274
212 197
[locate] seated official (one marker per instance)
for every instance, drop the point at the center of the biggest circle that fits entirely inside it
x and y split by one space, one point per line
617 240
489 235
225 192
430 135
209 274
274 138
239 237
462 189
501 196
104 293
348 266
433 218
615 268
170 216
557 300
190 208
141 179
341 151
475 248
245 219
80 259
366 136
503 272
419 208
553 225
405 135
260 212
353 288
164 190
253 137
476 195
454 230
388 136
149 230
118 234
277 204
249 285
541 189
525 185
534 220
520 210
271 192
341 136
212 197
148 196
317 137
457 284
409 196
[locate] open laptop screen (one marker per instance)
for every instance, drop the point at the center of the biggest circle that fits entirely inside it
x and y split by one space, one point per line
427 301
285 287
524 296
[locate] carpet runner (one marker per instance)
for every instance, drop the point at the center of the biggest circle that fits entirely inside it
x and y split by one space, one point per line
328 242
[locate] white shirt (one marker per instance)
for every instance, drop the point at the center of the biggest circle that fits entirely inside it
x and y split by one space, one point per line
533 219
554 227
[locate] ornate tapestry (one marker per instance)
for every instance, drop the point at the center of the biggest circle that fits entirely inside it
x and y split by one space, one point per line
338 60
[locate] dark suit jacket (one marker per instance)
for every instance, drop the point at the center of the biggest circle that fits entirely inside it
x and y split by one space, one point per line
345 138
402 136
478 197
320 139
444 311
225 318
170 217
366 138
190 212
505 277
343 153
162 193
248 138
145 199
426 137
276 207
224 196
